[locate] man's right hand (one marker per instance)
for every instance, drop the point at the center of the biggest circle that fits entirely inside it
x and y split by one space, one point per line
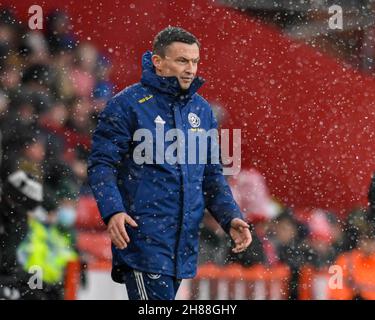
116 229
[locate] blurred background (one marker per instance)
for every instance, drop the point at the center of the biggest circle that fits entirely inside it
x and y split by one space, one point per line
303 95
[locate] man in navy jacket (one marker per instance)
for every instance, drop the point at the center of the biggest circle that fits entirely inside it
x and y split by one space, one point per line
152 200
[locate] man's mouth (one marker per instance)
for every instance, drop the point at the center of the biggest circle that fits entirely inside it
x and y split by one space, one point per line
186 79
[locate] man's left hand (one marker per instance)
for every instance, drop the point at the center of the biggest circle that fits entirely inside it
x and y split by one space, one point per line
240 233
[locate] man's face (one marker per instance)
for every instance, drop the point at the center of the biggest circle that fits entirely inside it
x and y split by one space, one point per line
181 60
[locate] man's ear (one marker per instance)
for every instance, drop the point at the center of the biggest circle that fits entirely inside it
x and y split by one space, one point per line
156 60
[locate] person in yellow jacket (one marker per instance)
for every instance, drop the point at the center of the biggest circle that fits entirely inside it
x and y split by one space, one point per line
49 247
355 278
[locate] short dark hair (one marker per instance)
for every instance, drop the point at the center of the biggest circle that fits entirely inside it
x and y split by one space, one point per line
172 34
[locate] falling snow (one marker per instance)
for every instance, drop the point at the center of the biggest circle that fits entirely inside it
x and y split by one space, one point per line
301 92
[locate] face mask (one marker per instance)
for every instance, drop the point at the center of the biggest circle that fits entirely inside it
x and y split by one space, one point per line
66 216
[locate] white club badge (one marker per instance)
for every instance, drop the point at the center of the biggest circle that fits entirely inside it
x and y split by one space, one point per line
194 120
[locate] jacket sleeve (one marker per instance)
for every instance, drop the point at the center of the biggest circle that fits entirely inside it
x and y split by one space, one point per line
218 196
110 143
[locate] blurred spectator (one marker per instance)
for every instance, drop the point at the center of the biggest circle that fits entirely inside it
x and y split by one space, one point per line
20 194
323 240
10 78
41 81
357 268
104 88
59 32
59 179
252 195
51 248
9 36
83 72
338 233
63 64
354 225
49 92
288 238
79 119
32 157
52 124
51 240
261 250
34 48
28 156
214 243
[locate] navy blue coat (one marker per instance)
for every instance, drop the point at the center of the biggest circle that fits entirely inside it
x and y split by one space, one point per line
166 200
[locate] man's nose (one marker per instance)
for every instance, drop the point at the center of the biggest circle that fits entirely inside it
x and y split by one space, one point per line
190 67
